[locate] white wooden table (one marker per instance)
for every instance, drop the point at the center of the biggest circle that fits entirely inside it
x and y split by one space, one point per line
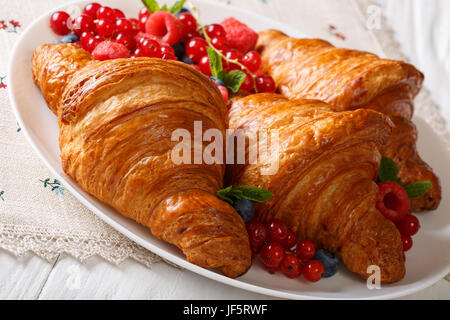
64 278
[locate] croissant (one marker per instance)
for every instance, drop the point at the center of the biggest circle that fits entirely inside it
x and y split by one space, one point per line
116 119
324 188
348 80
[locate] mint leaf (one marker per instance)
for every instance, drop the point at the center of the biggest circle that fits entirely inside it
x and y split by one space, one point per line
224 194
388 170
230 194
151 5
234 80
418 189
215 62
177 6
254 193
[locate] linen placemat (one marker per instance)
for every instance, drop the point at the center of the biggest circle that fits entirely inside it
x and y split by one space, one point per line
38 215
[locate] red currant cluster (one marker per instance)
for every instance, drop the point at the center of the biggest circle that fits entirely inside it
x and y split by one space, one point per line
278 249
157 34
232 59
394 204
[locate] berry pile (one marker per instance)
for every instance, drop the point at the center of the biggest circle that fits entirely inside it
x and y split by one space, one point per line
171 34
278 249
394 204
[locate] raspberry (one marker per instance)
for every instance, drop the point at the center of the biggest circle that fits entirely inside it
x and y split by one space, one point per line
110 50
165 26
239 36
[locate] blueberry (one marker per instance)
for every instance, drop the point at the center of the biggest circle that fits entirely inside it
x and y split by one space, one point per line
186 59
179 50
69 38
245 209
183 10
217 80
329 261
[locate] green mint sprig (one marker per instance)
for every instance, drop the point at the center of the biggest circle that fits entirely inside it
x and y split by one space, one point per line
230 194
233 80
389 171
153 6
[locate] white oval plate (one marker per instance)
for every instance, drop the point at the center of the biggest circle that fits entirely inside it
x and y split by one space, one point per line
427 262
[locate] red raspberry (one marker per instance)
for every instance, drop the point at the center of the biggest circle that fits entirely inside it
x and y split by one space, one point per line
165 26
393 201
239 36
110 50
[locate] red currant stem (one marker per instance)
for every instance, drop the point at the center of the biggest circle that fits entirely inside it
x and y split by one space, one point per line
208 40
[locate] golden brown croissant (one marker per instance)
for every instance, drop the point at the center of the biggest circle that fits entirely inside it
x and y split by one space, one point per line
324 189
348 80
116 120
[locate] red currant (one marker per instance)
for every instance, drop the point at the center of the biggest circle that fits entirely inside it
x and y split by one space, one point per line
409 226
305 250
393 201
215 30
225 95
191 35
256 233
123 25
165 49
106 13
291 266
144 12
58 23
135 25
248 84
143 22
276 231
265 83
118 14
92 43
218 43
204 65
105 27
271 256
83 23
126 40
188 21
233 54
84 38
167 56
252 60
150 48
196 67
290 240
91 9
407 242
196 49
313 270
137 53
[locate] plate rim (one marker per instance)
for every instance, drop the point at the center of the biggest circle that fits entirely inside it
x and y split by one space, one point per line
411 288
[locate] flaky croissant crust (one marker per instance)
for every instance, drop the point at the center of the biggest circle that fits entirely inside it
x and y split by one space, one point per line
350 79
116 121
324 189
